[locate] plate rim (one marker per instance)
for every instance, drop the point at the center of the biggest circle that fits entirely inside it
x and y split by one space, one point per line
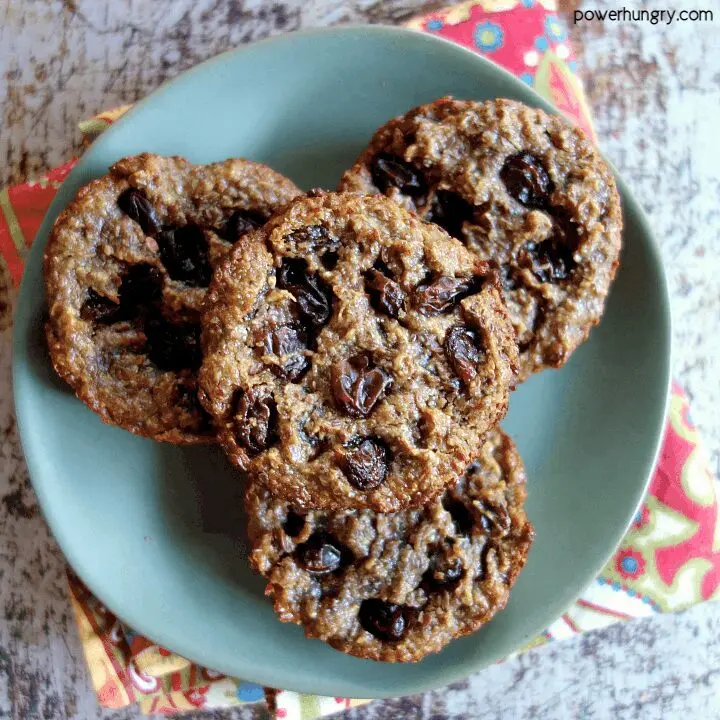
22 325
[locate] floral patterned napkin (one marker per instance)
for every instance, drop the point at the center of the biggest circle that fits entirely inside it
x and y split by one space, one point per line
667 561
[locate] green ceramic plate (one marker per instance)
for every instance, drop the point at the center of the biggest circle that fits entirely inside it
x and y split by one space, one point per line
157 532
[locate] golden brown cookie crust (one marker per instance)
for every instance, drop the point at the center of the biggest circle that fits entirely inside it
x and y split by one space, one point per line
299 435
437 572
558 250
112 280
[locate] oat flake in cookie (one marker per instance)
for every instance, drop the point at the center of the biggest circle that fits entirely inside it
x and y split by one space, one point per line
354 355
398 586
521 188
126 273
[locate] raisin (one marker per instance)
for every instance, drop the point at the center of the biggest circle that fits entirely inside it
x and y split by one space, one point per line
240 223
329 260
313 296
357 385
141 285
463 348
173 347
138 208
444 293
288 342
386 295
527 180
462 517
386 621
553 260
255 420
100 309
293 524
442 573
389 171
315 302
450 212
184 252
546 260
366 463
320 555
292 272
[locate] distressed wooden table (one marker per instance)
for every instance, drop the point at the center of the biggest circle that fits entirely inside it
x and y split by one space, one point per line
655 92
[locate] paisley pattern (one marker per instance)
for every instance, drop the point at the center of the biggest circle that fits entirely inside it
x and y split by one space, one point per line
670 557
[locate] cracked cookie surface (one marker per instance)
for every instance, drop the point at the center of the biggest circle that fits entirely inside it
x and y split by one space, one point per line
354 356
522 189
126 271
398 586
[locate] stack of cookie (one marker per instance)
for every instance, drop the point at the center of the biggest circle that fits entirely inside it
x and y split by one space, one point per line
352 352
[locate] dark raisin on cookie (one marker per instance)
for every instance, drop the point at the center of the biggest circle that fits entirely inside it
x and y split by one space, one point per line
444 293
139 292
527 180
289 342
255 420
386 621
320 555
358 385
137 207
390 171
549 260
184 253
313 296
553 259
99 309
442 573
450 212
240 223
366 463
386 295
173 346
294 523
329 260
463 348
141 285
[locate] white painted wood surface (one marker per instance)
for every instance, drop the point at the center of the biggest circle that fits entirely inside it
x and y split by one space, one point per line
655 92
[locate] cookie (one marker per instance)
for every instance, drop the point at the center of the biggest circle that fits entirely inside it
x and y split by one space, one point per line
520 188
127 268
354 355
398 586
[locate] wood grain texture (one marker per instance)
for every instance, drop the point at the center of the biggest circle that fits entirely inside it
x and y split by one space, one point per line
655 92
